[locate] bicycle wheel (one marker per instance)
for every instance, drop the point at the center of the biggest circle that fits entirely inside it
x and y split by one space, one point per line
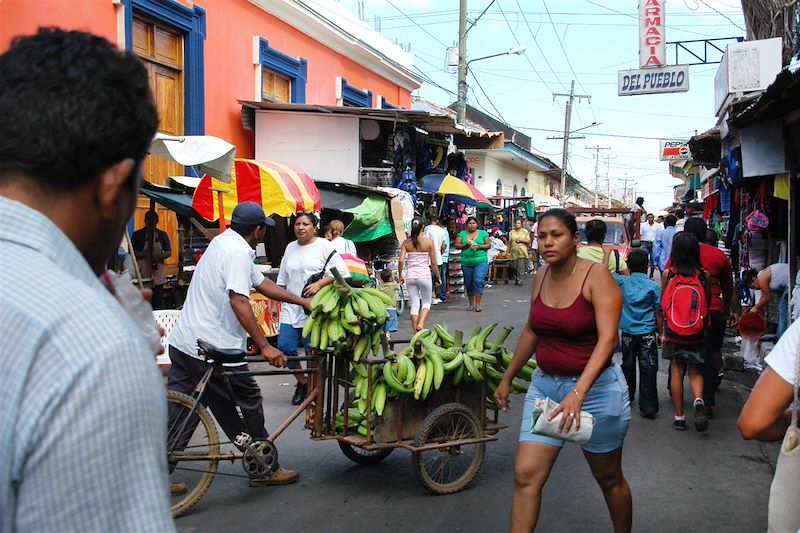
362 456
192 451
450 469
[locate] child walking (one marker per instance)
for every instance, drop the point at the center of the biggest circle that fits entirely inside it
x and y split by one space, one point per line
641 323
389 287
686 294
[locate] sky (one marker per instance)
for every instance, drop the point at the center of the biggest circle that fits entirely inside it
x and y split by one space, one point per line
585 40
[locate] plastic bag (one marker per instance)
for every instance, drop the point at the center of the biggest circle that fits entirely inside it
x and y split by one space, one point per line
749 352
130 298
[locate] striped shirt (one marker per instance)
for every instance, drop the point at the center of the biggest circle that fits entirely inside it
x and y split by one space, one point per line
83 417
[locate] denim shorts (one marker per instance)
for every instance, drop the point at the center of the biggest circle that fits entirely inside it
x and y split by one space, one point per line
607 401
391 323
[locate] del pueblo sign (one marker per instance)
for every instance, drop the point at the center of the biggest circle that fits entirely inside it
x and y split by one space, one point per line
653 80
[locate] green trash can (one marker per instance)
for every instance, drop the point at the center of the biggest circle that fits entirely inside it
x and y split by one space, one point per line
530 209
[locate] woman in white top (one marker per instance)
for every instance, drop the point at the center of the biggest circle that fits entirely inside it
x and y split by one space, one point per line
342 245
418 254
304 257
772 280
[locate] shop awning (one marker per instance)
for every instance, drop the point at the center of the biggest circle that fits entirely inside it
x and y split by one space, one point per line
371 220
173 200
282 190
211 155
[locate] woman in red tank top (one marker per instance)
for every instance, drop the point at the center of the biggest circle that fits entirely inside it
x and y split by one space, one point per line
572 329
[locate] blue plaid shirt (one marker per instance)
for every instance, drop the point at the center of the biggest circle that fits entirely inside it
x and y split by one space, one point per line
83 417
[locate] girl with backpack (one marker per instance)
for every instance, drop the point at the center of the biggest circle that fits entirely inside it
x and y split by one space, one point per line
686 295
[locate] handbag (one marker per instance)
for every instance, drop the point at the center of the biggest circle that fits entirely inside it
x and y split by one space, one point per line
784 493
313 278
757 220
542 426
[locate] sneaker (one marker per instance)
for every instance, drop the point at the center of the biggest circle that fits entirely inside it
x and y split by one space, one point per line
649 414
679 425
176 489
299 393
700 418
279 477
435 301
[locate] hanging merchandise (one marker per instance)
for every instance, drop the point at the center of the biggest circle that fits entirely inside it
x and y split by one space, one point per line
408 183
781 187
732 163
725 193
758 220
530 210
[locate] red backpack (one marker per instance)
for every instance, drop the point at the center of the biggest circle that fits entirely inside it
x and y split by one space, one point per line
685 309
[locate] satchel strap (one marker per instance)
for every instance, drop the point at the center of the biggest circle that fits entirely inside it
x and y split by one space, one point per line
324 266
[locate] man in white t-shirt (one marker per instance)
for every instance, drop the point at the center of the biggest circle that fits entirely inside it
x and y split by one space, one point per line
648 231
217 310
441 244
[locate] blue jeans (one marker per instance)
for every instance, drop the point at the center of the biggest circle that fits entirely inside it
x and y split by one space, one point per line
441 291
288 341
391 323
642 348
475 278
783 313
647 246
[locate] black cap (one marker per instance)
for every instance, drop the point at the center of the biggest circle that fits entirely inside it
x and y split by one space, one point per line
250 214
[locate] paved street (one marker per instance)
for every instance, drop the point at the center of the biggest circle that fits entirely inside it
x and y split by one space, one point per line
689 481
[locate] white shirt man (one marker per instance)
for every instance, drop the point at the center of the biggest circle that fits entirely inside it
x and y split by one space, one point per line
441 245
649 230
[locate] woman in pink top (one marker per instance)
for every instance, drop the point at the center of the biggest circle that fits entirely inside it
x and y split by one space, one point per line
417 254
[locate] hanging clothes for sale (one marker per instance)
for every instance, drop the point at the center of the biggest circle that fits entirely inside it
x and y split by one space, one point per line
710 204
725 196
781 187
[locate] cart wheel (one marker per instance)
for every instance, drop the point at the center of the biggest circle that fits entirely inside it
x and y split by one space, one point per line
450 469
362 456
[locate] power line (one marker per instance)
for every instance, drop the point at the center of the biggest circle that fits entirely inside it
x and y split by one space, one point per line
536 42
720 13
415 22
513 34
499 114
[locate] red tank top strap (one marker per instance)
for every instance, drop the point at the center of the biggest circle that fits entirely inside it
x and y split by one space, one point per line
586 277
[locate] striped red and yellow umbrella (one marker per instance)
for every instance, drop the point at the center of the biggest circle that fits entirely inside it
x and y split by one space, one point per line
282 190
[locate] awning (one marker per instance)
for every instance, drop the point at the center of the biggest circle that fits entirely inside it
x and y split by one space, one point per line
282 190
211 155
371 220
173 200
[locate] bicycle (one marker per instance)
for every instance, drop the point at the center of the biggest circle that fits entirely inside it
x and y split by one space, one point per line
193 444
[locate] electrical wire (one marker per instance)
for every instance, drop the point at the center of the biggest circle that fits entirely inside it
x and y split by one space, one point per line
500 115
415 22
721 14
528 59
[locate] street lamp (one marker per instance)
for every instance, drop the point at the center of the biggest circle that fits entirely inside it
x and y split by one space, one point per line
463 67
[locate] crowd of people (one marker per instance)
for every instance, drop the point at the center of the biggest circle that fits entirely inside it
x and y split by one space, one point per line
69 179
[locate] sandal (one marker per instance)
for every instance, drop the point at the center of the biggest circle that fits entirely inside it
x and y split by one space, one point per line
478 309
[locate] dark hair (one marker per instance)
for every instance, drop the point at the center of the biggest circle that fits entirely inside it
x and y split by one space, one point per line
640 200
563 216
434 219
697 227
325 229
595 231
750 275
386 274
670 221
472 218
685 257
151 215
416 229
637 261
679 213
712 237
648 215
245 229
73 104
309 215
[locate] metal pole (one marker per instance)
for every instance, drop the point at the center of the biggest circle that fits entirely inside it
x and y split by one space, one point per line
461 107
567 117
565 152
597 149
608 167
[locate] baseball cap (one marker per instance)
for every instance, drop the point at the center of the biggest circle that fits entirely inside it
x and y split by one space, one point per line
250 214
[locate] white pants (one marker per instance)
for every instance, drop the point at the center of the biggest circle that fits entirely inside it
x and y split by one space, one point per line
419 289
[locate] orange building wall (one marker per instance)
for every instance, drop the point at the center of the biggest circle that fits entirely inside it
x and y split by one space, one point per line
229 70
24 17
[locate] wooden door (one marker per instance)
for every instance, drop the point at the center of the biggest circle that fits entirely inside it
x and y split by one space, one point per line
161 50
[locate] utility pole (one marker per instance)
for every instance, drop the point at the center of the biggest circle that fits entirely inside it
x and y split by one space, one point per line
608 167
625 194
567 117
597 149
461 107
